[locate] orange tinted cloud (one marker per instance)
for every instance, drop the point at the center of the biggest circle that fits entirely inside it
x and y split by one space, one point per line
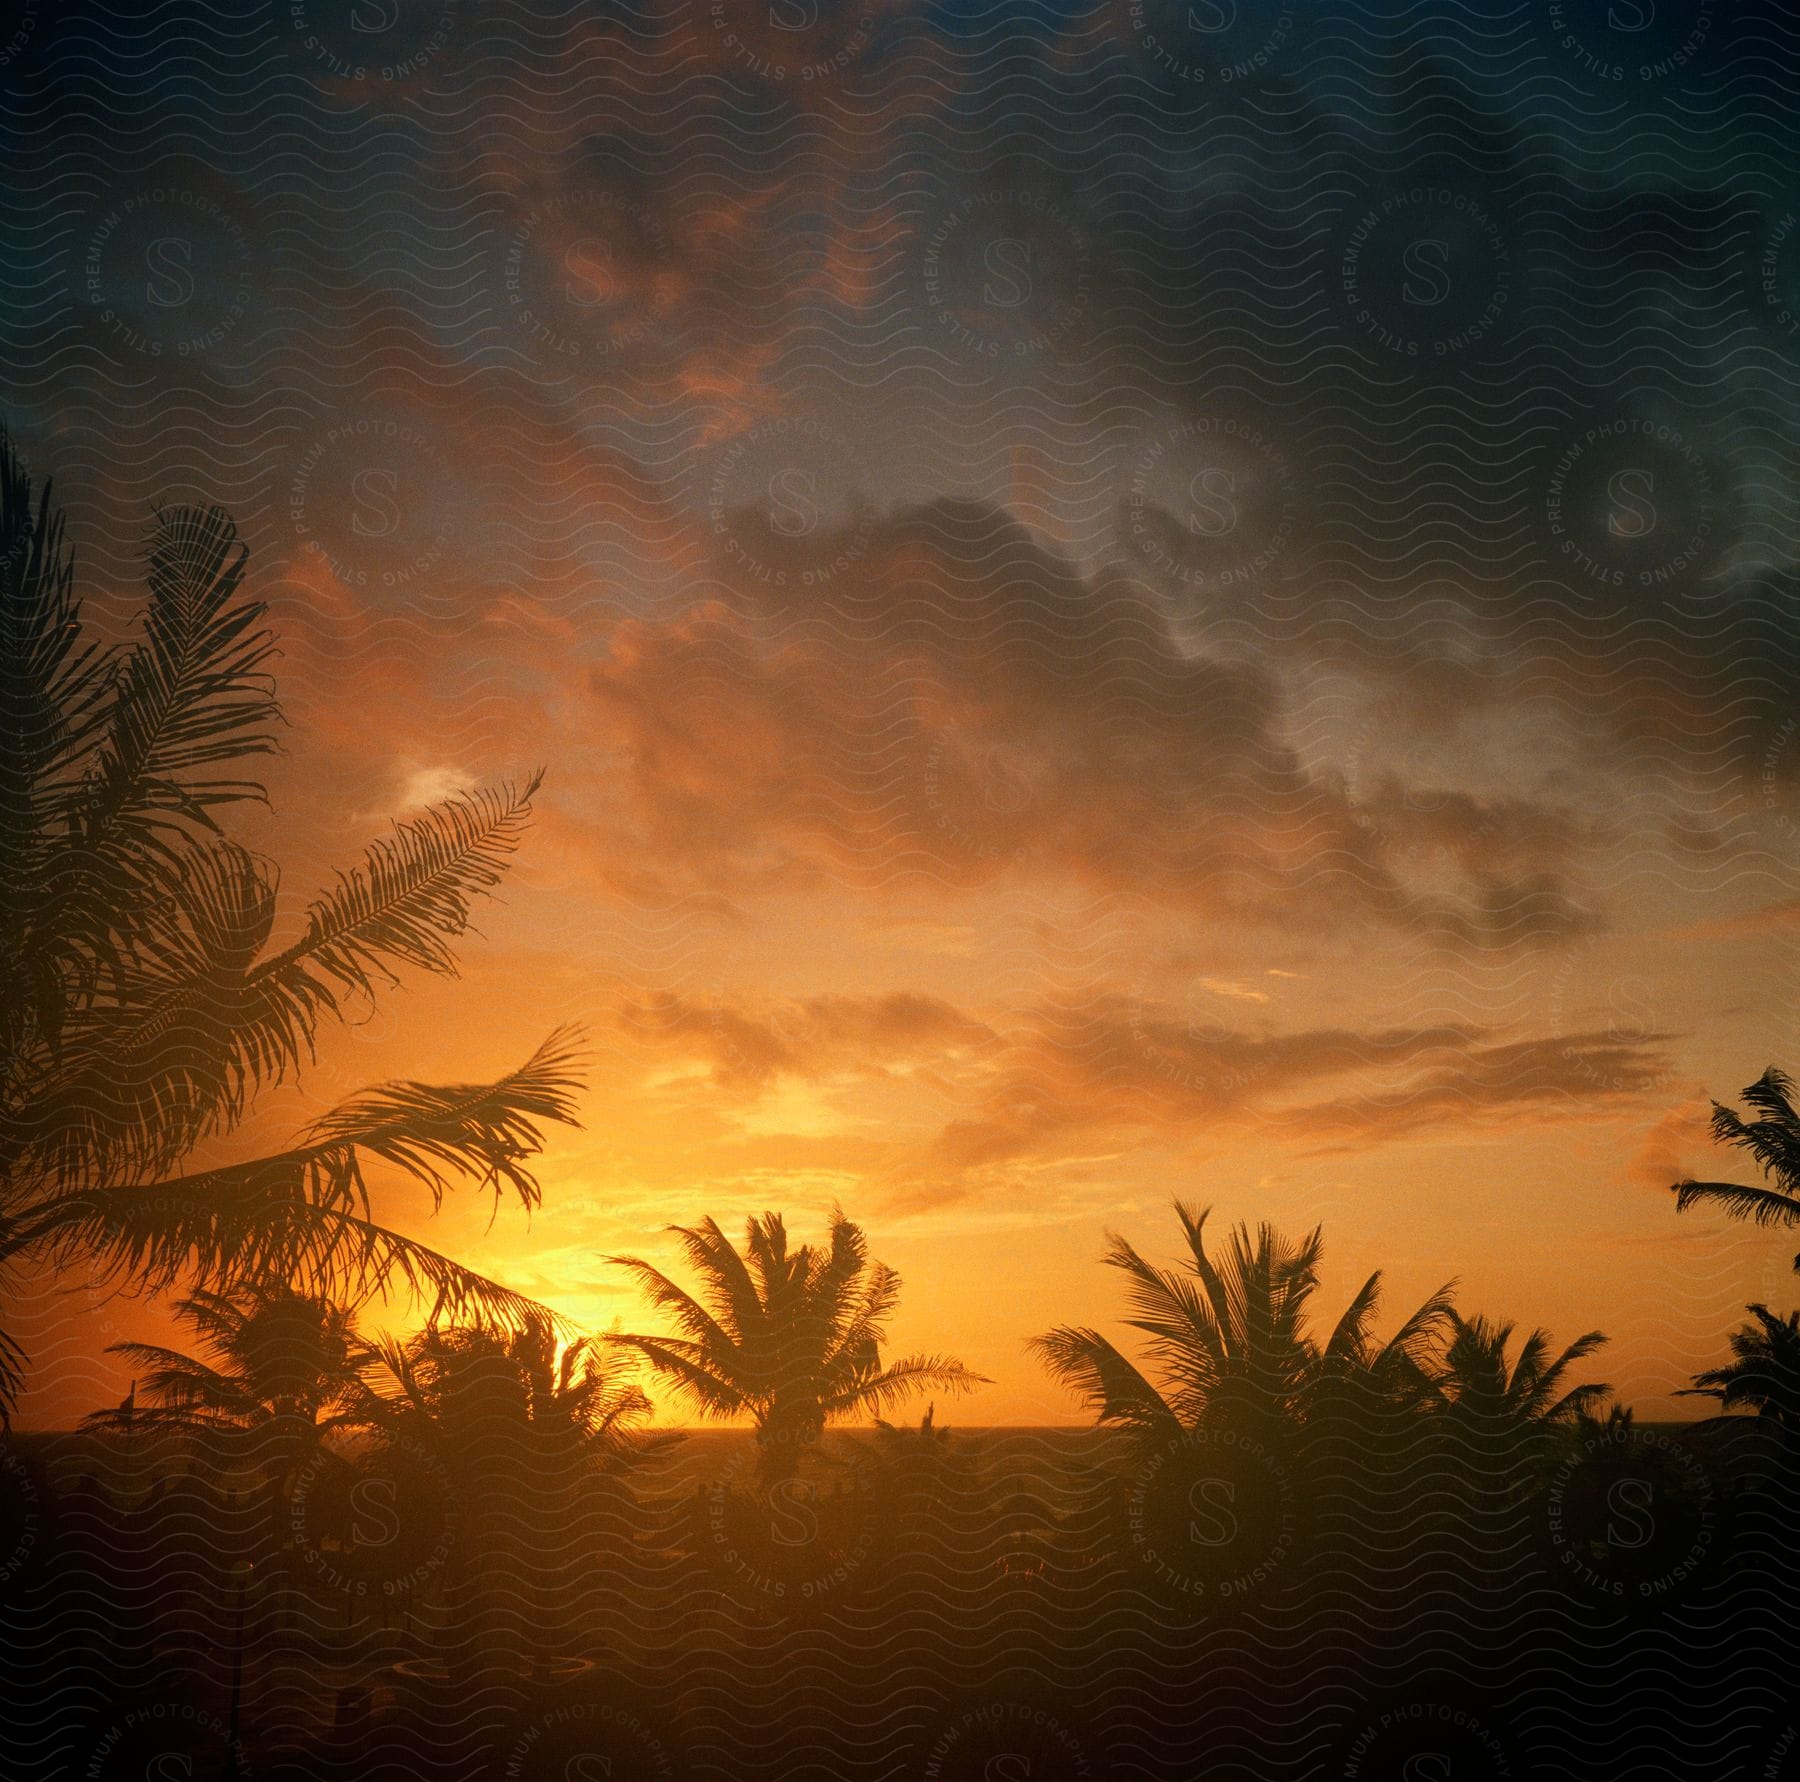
938 695
743 1047
1111 1070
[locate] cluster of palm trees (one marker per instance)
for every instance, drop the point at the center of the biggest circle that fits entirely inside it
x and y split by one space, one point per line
1227 1345
787 1338
284 1367
784 1337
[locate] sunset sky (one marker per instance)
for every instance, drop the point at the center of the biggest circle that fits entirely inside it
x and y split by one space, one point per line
1111 612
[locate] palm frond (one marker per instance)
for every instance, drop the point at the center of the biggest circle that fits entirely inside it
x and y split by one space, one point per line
480 1131
899 1380
1530 1370
1110 1386
1476 1376
53 682
54 686
703 1330
1426 1328
263 1221
218 1319
846 1292
1349 1337
1224 1320
190 695
1772 1095
685 1368
729 1290
849 1314
152 1357
303 1215
170 1055
1165 1306
403 906
1761 1206
1764 1372
12 1376
370 1404
1579 1401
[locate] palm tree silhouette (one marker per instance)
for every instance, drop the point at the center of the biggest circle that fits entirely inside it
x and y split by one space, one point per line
788 1338
1763 1373
930 1438
269 1357
919 1460
519 1430
467 1385
1505 1412
142 999
1228 1343
1773 1139
271 1378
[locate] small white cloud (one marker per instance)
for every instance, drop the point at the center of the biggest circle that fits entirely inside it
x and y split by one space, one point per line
430 785
417 788
1232 988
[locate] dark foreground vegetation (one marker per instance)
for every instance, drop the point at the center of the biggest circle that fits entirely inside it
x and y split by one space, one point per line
1296 1543
495 1580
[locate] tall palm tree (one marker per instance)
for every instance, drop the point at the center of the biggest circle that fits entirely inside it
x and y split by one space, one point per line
1763 1373
1773 1139
143 997
1228 1340
788 1338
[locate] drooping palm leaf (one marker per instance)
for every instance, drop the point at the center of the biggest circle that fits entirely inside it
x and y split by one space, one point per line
1111 1386
712 1393
304 1215
474 1131
897 1381
1773 1140
232 1225
1759 1206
